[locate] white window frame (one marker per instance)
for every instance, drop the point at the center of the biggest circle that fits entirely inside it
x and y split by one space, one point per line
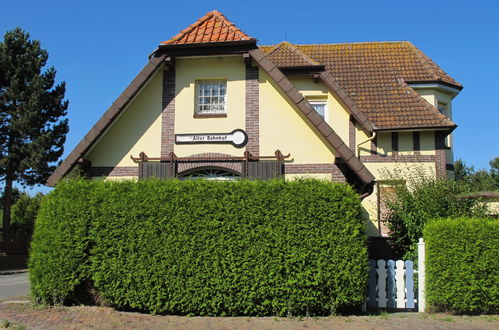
321 102
208 108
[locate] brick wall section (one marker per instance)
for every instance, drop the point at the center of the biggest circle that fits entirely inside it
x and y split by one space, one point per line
351 135
374 146
397 158
440 160
336 174
236 166
252 110
395 143
168 114
416 144
98 171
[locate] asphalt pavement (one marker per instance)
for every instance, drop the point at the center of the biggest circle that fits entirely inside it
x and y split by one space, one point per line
14 285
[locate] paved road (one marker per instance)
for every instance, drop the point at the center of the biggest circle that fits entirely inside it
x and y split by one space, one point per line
14 285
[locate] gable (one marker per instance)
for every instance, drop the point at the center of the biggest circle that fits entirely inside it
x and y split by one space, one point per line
137 129
282 125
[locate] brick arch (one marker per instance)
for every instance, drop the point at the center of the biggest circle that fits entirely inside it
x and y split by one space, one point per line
235 166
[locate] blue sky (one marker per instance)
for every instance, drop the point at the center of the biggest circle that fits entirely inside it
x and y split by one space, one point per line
98 47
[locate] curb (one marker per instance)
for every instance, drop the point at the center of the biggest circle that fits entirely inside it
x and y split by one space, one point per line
11 272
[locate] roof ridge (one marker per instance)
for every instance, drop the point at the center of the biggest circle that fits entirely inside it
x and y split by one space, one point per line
302 54
344 43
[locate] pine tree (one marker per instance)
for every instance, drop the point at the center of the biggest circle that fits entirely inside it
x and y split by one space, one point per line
33 125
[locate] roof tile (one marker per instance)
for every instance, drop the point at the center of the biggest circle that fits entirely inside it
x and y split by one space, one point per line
213 27
374 76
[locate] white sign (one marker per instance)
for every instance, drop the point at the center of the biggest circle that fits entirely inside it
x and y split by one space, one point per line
237 138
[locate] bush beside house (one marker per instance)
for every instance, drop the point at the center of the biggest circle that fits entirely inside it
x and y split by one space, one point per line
202 247
462 266
421 200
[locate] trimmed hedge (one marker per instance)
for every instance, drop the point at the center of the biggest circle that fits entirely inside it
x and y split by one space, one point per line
202 247
462 265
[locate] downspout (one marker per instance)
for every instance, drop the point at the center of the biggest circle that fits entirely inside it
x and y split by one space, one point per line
369 139
370 188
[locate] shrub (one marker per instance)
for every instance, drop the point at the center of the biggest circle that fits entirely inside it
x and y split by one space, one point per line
59 256
462 265
24 212
203 247
419 200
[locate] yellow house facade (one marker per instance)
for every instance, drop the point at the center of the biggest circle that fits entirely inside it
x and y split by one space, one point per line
212 103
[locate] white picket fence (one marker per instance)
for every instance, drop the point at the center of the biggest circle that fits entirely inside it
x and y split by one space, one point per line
391 283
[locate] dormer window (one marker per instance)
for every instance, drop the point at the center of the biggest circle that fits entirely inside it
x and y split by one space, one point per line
319 107
211 96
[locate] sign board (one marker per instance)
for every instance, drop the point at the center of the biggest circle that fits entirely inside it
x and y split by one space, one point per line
238 138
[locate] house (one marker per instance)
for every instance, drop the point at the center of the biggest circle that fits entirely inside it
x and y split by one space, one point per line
212 103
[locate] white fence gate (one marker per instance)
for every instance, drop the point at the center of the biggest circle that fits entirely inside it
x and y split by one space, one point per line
391 283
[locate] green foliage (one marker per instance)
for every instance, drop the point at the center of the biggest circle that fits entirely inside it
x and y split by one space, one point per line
420 200
32 110
59 256
203 247
478 180
24 212
462 265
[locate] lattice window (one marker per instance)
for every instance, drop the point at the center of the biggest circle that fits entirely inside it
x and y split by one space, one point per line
211 96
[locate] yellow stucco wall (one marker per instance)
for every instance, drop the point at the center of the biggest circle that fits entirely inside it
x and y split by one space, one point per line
283 127
188 70
335 115
137 129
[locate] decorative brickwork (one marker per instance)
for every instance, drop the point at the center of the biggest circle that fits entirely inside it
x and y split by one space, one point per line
440 159
416 144
230 165
336 174
252 110
168 114
395 143
99 171
351 134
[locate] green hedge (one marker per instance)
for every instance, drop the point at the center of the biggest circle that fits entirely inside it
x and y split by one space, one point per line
462 265
202 247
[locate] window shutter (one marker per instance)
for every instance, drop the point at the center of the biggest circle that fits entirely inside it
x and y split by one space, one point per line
264 170
156 169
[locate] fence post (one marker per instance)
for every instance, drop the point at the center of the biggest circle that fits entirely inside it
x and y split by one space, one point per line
421 276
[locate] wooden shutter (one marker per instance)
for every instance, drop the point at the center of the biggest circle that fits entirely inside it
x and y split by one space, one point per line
264 170
156 169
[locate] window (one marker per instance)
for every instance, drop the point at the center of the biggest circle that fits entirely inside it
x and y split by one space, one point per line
442 107
319 107
211 96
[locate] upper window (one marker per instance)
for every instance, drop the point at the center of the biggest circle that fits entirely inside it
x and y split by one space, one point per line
442 107
319 107
211 96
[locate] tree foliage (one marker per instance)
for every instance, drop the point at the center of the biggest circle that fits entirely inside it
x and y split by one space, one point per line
478 180
421 199
33 126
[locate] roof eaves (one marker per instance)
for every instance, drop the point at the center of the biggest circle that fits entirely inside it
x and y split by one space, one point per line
313 117
107 118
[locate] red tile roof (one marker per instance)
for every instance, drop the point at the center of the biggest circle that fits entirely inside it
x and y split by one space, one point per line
374 74
212 27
